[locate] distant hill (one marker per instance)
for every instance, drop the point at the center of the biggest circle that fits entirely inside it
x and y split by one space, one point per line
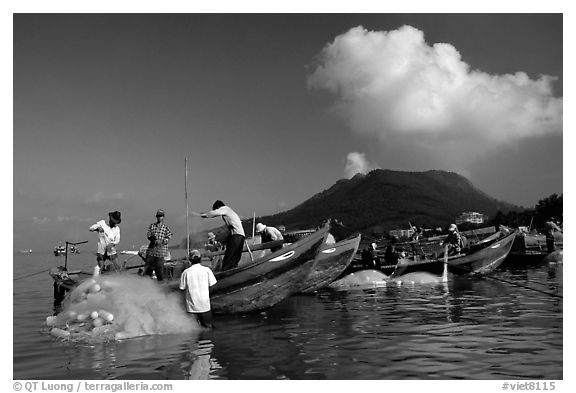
386 199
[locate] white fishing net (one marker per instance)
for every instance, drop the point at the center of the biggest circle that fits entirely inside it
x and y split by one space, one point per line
120 306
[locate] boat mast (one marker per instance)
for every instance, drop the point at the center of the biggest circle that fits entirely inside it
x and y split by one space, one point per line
186 198
253 224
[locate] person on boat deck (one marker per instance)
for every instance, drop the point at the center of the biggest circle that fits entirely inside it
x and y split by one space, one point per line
269 234
213 245
196 281
159 235
235 240
417 234
390 255
550 227
108 239
370 258
453 240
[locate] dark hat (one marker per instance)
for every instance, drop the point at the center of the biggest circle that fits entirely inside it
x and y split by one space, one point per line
217 204
115 216
194 256
160 213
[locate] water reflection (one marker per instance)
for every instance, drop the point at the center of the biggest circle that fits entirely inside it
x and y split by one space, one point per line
468 329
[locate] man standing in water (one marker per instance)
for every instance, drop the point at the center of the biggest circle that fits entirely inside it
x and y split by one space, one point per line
235 239
196 281
158 234
550 227
108 239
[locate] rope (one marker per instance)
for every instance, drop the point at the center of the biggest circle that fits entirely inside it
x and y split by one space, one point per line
489 275
31 274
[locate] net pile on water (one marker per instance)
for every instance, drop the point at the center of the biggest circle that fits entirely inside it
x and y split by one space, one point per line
117 307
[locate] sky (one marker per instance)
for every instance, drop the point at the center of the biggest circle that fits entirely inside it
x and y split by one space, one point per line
270 109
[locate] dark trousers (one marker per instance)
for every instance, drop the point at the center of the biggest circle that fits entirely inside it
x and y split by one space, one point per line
550 244
155 264
101 260
204 319
234 245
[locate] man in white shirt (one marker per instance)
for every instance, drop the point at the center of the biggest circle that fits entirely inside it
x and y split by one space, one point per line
235 239
108 239
196 281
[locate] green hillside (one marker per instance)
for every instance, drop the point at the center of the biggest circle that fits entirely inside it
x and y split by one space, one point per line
386 199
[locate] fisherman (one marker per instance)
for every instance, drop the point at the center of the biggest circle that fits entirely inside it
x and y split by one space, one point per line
269 234
390 255
213 245
235 239
108 239
417 234
550 227
370 258
453 241
196 281
159 235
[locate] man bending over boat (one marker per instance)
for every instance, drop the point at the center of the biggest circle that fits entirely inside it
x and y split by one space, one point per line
158 234
196 281
108 239
235 239
269 234
453 241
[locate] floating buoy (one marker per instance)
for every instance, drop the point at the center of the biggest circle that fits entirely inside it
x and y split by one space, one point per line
81 317
60 333
72 314
95 288
51 320
107 316
97 322
94 314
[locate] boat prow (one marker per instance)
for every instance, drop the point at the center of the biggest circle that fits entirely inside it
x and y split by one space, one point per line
268 280
331 261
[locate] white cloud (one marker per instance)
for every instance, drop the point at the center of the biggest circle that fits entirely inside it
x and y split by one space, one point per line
397 87
40 221
99 197
357 163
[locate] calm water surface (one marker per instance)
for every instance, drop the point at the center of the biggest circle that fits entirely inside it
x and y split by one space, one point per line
468 329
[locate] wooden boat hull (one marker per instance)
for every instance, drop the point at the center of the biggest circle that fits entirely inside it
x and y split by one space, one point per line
269 280
65 281
483 258
531 248
331 261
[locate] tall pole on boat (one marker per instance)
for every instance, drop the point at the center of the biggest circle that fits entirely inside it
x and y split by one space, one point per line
253 224
186 198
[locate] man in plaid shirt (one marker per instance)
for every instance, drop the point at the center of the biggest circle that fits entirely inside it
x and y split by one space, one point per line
159 234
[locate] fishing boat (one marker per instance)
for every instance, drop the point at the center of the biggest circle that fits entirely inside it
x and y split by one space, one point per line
61 250
478 259
331 261
266 281
530 246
